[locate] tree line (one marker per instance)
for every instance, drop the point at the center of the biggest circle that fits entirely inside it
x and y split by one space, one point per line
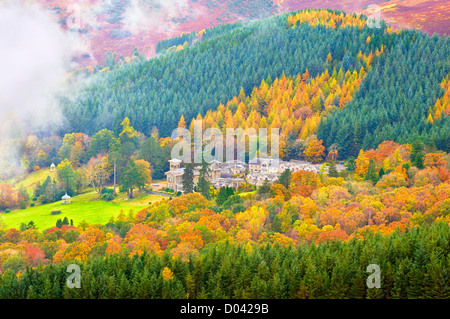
414 264
155 93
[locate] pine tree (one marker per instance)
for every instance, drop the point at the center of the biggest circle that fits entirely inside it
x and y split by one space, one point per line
371 174
31 293
415 287
381 172
285 178
188 179
203 184
417 155
223 194
332 170
264 189
358 287
190 286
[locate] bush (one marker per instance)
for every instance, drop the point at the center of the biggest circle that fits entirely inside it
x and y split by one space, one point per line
238 208
34 199
7 210
178 193
22 204
56 212
107 191
108 197
31 204
215 208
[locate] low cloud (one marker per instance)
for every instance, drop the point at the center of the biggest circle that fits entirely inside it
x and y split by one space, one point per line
35 57
155 15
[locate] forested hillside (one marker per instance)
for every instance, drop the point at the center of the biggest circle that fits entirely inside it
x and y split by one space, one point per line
155 93
191 80
394 99
413 265
309 235
364 119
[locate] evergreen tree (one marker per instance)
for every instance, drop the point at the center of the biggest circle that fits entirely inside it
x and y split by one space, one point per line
350 164
415 288
203 184
417 155
223 194
332 170
381 173
371 174
285 178
152 152
264 189
66 175
188 178
131 178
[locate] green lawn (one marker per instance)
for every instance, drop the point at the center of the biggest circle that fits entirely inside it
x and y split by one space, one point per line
29 181
86 207
247 194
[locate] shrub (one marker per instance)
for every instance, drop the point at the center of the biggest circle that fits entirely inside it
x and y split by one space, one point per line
22 204
238 208
107 191
108 197
55 212
31 204
7 210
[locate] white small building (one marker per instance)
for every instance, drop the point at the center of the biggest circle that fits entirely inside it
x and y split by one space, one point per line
65 199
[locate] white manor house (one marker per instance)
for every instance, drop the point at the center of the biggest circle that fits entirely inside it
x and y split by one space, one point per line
234 173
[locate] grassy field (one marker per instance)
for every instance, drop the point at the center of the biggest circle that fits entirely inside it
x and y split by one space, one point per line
29 181
86 207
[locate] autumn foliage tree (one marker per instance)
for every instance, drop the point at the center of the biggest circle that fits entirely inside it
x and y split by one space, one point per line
9 197
98 172
314 151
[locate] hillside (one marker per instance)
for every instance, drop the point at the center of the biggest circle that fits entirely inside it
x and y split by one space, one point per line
85 207
189 82
156 92
363 113
430 16
119 26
